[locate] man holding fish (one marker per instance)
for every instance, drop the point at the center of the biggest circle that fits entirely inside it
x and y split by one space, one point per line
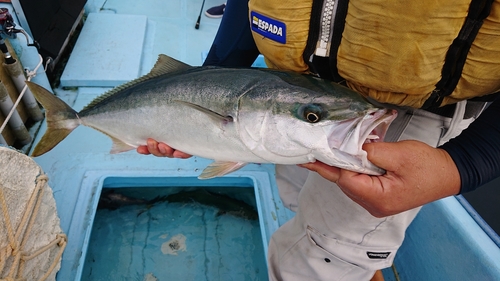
435 62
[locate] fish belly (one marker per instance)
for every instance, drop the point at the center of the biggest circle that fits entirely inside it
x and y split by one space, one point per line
188 131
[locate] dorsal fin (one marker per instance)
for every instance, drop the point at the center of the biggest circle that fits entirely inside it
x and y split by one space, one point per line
164 65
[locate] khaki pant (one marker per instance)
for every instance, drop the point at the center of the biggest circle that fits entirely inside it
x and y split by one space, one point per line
333 238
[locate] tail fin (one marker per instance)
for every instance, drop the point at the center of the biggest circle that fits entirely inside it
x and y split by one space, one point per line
61 119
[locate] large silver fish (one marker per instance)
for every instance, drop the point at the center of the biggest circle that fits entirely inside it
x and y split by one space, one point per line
234 116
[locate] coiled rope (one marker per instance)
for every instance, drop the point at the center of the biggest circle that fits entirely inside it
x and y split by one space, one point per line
19 237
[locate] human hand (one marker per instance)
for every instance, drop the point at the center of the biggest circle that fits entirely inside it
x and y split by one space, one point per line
416 174
160 149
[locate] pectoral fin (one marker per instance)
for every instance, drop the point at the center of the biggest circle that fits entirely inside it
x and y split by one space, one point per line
220 168
212 114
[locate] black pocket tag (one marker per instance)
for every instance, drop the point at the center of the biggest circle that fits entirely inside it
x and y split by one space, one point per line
378 255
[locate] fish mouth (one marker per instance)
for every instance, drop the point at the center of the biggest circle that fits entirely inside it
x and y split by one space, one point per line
350 135
372 127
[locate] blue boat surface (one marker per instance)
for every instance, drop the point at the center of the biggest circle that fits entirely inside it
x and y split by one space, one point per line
120 40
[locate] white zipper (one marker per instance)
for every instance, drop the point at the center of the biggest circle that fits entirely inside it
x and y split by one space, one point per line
326 28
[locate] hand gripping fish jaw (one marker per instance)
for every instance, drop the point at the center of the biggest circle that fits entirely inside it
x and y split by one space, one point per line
348 139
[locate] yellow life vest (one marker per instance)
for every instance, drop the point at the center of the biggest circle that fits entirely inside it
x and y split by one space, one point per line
391 51
295 14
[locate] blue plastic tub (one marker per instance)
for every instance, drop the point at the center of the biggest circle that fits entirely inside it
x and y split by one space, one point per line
151 254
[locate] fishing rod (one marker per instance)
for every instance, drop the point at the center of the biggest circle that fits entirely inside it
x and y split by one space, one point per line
197 25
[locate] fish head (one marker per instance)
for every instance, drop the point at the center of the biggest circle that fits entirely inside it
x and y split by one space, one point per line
346 138
305 126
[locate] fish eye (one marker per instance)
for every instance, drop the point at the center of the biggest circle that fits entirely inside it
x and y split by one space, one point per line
312 117
311 113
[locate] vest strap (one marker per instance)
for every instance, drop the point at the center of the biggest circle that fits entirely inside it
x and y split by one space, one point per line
457 53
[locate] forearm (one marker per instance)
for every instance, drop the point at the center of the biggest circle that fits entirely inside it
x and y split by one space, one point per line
477 149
